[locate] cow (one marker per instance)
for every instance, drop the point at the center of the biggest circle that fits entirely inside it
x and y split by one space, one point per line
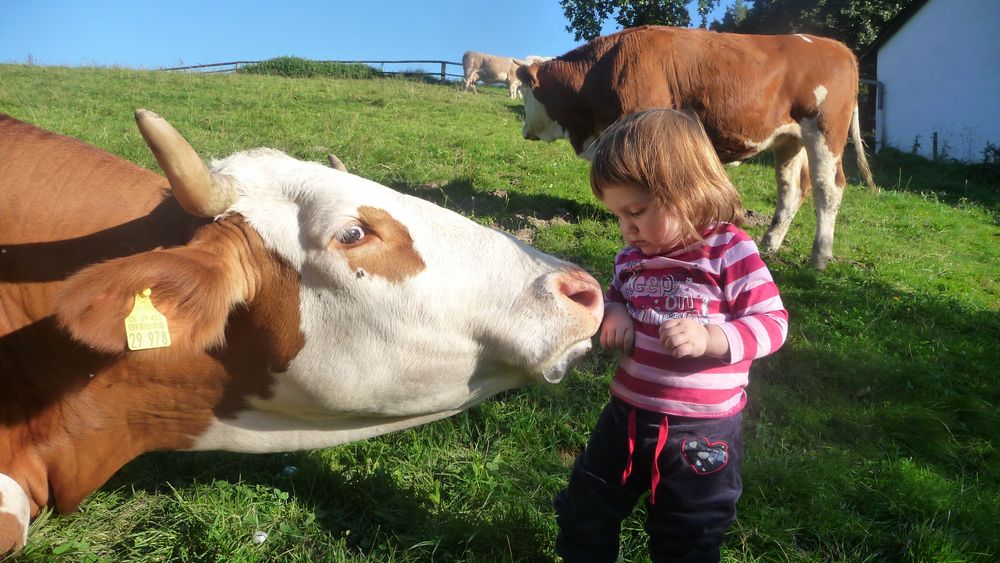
532 59
257 304
793 94
491 69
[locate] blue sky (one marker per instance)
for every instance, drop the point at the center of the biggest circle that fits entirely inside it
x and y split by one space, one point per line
166 33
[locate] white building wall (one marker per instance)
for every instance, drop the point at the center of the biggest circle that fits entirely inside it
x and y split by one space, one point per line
941 73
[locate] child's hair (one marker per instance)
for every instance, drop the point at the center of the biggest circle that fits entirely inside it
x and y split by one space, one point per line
667 153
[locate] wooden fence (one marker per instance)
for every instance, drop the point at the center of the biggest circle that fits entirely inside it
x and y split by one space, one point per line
233 66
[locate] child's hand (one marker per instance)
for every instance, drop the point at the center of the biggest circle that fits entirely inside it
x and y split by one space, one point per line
684 338
617 330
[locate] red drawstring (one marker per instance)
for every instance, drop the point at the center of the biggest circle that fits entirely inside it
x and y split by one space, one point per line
661 440
631 445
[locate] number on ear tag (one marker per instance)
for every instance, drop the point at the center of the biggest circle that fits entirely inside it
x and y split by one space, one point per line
145 326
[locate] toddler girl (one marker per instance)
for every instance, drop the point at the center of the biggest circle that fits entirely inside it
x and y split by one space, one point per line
690 306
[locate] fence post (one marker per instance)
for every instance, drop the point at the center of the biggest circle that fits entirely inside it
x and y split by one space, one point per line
442 71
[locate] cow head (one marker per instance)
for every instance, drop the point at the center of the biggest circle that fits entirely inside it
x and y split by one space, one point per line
384 310
538 125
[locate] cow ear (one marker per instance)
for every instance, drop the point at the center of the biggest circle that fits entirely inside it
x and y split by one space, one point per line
192 288
528 75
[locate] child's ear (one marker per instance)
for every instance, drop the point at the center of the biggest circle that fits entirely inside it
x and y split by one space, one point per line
192 288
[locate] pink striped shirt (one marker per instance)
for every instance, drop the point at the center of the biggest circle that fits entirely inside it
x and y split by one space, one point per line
720 281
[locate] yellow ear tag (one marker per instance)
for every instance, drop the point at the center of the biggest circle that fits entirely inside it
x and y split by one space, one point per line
145 326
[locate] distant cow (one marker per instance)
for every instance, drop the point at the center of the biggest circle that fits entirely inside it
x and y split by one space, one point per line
532 59
491 70
261 304
794 94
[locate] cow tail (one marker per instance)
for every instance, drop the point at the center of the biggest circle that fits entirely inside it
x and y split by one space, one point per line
859 148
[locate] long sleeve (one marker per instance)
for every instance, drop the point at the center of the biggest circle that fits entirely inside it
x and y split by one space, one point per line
759 321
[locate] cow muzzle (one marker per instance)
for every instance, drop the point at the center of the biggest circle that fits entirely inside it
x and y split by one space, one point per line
581 295
582 289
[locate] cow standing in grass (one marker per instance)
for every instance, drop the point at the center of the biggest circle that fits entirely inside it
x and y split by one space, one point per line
296 306
491 69
792 94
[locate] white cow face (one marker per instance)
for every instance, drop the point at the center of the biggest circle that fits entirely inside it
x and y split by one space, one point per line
538 126
408 310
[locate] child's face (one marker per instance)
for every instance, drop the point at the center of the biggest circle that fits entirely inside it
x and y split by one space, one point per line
644 223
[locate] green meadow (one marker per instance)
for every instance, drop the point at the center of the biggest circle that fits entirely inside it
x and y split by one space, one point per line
870 436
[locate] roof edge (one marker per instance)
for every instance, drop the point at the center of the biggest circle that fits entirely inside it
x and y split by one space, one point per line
892 27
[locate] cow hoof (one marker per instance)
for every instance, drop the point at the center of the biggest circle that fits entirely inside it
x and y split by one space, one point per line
819 262
769 248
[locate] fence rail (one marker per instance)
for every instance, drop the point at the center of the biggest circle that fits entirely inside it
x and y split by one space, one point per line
233 66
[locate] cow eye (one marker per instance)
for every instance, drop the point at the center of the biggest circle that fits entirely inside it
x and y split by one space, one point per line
350 234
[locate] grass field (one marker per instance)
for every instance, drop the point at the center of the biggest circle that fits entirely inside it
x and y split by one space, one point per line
869 437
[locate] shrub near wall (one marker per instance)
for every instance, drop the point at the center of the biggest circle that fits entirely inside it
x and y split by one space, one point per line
296 67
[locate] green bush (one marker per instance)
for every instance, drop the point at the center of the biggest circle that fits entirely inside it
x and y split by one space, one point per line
296 67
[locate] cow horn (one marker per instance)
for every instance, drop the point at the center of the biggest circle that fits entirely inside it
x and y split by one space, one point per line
199 191
336 163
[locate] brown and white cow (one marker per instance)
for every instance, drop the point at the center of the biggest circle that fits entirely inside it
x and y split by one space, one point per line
306 307
793 94
491 69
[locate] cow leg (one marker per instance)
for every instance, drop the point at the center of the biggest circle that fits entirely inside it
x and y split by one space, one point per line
512 86
15 513
828 186
789 165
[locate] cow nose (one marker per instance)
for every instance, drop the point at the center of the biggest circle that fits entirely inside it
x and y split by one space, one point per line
582 289
531 136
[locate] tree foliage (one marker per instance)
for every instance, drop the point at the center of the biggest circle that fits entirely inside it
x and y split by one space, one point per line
734 15
586 17
855 22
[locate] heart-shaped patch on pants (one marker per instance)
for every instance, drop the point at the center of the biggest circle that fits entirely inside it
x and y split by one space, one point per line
704 456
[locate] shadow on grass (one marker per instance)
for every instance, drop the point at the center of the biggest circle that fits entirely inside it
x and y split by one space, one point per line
869 345
372 511
951 182
879 411
518 110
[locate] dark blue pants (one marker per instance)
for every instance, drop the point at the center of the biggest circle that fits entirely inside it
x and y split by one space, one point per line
695 500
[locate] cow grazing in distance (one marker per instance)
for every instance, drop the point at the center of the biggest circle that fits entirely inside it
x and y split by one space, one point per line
793 94
300 307
491 69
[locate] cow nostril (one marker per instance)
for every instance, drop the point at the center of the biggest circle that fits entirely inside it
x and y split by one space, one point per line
588 298
581 288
